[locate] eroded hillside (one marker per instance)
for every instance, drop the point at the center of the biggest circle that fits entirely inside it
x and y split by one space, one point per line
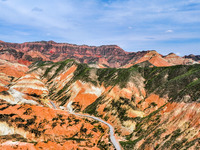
149 107
28 120
142 103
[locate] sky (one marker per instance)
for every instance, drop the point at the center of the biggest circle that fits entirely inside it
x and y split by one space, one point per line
134 25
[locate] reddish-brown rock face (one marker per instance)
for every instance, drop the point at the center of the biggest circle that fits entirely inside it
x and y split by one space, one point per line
39 127
141 103
177 60
108 55
149 107
113 55
10 72
28 121
154 58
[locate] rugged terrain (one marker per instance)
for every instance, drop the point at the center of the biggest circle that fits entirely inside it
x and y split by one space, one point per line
150 107
28 120
155 107
101 57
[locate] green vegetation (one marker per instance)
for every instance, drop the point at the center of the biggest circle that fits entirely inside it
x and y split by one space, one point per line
130 144
173 141
158 132
177 81
39 64
191 143
141 132
75 139
60 66
103 145
121 112
113 76
83 73
64 100
108 76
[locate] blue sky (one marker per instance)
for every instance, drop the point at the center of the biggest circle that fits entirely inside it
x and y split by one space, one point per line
162 25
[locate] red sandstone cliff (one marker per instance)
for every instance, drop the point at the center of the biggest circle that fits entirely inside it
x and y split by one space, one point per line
107 55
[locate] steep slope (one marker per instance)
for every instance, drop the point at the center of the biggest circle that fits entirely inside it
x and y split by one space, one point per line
149 107
174 125
27 119
141 102
154 58
177 60
10 72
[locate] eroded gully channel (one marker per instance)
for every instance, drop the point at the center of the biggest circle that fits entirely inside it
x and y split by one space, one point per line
112 136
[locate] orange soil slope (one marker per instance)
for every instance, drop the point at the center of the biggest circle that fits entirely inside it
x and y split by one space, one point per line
48 128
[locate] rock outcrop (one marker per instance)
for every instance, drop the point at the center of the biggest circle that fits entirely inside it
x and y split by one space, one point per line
101 56
177 60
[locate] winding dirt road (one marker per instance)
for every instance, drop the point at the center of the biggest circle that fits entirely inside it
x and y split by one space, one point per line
112 136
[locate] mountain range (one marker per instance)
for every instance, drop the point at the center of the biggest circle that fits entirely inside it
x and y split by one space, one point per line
151 101
102 56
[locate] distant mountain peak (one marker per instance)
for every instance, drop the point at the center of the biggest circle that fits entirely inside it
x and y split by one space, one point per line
51 42
172 54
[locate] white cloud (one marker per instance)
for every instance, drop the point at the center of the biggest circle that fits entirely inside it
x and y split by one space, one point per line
169 31
95 22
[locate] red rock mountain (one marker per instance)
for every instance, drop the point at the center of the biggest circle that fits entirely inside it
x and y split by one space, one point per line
28 120
106 55
148 107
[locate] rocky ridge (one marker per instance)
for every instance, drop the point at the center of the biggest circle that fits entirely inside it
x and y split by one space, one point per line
101 56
